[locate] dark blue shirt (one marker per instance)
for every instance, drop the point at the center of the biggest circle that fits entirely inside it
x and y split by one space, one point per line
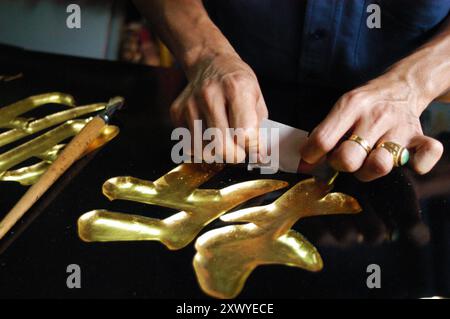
325 42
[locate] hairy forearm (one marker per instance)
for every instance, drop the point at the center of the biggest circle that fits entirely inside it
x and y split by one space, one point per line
428 68
185 27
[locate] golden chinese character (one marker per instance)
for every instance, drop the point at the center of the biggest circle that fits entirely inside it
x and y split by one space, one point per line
227 256
179 190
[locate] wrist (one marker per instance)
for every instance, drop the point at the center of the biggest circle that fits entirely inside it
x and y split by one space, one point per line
205 58
206 46
415 81
401 88
195 57
426 72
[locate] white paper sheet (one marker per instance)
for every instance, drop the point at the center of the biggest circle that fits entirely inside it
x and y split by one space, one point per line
289 144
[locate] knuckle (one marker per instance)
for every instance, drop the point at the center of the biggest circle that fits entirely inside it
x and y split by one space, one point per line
434 147
205 93
380 165
241 79
238 82
348 163
321 141
433 150
355 98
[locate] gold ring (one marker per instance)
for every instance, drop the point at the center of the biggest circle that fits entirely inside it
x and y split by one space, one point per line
362 142
399 153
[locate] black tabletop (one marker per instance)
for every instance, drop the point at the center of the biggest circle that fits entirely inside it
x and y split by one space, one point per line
404 227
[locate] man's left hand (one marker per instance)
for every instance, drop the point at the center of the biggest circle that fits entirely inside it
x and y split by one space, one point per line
387 109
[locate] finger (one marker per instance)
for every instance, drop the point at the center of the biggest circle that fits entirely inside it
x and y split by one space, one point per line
380 161
261 109
177 109
190 114
212 106
426 153
327 134
350 155
243 117
176 113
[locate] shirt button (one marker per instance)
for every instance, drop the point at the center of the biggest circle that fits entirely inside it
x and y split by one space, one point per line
318 34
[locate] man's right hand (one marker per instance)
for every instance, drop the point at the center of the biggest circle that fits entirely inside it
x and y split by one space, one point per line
223 92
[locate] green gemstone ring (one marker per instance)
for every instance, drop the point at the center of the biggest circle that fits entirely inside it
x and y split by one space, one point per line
399 153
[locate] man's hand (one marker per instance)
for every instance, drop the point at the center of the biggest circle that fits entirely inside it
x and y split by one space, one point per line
223 92
386 109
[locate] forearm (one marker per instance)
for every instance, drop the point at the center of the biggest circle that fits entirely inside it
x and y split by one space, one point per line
184 26
428 68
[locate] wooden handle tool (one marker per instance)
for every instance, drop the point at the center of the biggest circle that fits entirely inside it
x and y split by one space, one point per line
72 152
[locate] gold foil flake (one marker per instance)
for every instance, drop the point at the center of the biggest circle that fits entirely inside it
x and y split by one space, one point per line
44 147
227 256
9 115
179 190
29 127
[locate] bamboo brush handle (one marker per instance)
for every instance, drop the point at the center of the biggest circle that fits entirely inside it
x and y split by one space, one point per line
72 152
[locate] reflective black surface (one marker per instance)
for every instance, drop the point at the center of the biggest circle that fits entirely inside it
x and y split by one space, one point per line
404 228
